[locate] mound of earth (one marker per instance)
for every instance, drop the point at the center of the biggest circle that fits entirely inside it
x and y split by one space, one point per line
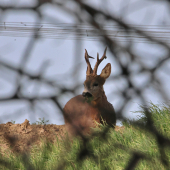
21 137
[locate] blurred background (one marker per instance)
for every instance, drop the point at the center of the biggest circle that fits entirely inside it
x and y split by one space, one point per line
42 46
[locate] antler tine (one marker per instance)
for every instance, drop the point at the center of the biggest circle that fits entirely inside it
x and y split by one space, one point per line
89 69
99 61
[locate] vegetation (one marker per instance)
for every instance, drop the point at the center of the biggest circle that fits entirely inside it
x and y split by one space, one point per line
41 122
12 121
113 152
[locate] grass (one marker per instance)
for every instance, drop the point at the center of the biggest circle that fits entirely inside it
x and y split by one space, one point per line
113 153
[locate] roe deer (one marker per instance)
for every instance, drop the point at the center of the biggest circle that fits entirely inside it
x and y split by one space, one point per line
83 111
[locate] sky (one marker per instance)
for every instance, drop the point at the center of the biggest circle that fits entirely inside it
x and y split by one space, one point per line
62 57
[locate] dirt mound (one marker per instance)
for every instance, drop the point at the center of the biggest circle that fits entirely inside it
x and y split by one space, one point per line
21 137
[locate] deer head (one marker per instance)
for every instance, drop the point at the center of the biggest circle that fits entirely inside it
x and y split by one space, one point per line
93 85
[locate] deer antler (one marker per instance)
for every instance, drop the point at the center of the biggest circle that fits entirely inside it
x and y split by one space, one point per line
99 61
89 69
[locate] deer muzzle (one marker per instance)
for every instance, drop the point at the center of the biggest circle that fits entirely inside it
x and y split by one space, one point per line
86 94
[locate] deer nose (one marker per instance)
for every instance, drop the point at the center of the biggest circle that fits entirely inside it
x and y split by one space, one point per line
86 94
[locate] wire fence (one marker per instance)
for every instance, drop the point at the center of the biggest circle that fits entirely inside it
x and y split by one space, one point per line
84 32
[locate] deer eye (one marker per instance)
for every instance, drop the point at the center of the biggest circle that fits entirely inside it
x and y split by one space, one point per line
95 84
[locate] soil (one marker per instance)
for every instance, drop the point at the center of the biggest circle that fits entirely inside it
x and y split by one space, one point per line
20 138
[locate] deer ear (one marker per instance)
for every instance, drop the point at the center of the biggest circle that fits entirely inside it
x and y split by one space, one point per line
106 71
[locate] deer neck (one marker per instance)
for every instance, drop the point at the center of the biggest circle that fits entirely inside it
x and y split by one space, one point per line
99 101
